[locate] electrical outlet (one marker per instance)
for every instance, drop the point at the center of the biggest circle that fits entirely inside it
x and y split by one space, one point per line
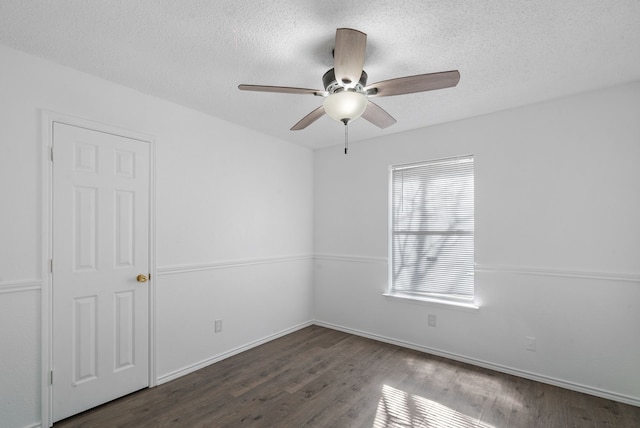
432 320
531 343
218 326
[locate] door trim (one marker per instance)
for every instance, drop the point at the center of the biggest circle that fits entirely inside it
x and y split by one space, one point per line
48 118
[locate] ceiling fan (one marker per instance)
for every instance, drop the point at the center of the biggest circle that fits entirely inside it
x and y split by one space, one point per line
346 93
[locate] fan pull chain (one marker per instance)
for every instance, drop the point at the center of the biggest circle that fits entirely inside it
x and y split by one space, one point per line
346 137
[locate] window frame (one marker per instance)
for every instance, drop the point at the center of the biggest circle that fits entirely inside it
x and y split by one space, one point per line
429 298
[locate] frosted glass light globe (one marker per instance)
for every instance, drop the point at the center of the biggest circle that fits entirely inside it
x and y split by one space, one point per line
345 106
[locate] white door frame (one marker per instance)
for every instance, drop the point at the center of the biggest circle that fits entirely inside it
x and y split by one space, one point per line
48 119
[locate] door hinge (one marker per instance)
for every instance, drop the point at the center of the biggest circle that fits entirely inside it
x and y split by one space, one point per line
51 265
51 153
51 377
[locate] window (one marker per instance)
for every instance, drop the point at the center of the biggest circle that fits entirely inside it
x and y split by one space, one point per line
432 224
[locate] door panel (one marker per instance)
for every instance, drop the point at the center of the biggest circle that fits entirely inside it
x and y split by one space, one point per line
100 245
84 345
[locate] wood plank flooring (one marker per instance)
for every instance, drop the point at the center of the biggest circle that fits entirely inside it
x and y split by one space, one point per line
317 377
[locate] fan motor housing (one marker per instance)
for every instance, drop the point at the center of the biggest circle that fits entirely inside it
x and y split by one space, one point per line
331 84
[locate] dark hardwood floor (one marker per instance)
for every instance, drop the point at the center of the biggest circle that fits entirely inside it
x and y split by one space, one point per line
317 377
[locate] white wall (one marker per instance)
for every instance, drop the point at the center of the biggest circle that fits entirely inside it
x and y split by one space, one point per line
557 243
233 220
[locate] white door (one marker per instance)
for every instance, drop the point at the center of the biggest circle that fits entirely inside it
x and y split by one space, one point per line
100 246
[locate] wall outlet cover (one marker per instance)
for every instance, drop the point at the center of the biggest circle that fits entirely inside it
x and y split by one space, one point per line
530 343
432 320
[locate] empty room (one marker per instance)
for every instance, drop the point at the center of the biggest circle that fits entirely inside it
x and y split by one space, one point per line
319 213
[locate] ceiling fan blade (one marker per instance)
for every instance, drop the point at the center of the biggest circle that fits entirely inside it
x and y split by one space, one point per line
411 84
308 119
378 116
348 55
281 89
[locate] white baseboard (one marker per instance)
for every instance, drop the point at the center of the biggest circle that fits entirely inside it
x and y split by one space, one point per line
204 363
634 401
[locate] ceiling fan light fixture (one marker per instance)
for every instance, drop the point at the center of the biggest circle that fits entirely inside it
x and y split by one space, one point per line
345 106
346 93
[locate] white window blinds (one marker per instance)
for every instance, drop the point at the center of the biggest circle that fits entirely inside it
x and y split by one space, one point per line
432 206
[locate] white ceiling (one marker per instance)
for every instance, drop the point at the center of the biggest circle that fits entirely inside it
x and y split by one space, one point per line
196 52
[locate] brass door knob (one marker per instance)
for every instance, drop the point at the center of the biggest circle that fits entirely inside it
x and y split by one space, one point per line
142 278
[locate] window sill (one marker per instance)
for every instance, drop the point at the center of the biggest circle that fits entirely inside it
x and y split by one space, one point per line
448 304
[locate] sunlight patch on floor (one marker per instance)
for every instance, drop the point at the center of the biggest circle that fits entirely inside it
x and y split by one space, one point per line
397 408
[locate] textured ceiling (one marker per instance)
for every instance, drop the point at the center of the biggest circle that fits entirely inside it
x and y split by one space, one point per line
196 52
